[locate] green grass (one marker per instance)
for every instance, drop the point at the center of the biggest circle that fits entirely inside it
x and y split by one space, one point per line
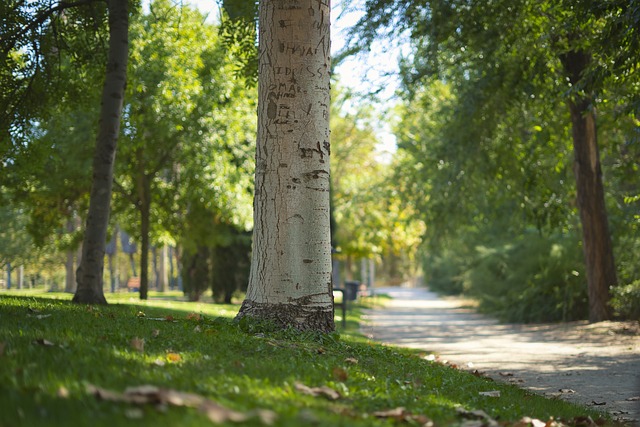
242 367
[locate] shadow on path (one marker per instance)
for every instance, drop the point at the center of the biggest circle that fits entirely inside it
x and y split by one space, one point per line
591 364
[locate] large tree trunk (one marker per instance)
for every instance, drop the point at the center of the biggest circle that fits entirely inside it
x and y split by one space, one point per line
290 279
89 274
596 239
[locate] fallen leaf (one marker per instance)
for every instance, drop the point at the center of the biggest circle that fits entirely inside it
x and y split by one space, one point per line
630 399
505 374
351 360
168 318
401 414
396 413
149 394
62 392
174 357
193 316
340 374
42 341
155 333
530 422
137 344
566 391
40 316
321 350
323 391
197 329
492 393
477 415
593 402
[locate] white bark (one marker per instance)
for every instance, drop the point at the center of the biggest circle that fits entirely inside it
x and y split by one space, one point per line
290 279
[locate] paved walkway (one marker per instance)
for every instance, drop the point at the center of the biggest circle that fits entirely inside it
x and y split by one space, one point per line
592 364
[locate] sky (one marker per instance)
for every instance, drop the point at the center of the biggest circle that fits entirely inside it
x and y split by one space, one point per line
363 74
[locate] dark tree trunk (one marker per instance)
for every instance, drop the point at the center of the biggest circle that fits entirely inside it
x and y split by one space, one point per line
145 212
596 239
90 271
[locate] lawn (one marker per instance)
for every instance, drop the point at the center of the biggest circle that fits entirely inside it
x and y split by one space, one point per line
63 364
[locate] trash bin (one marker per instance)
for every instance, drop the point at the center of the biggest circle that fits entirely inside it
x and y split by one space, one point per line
351 290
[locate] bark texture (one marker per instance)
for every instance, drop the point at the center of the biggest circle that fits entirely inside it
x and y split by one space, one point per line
290 278
90 272
596 238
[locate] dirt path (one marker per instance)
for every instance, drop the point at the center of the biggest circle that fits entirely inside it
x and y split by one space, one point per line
592 364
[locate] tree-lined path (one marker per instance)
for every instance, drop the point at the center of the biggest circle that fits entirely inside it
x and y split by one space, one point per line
591 364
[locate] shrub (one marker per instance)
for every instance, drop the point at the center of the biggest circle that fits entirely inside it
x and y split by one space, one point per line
536 279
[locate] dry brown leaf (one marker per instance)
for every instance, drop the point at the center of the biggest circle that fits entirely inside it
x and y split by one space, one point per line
43 342
566 391
505 374
530 422
137 344
323 391
593 402
401 414
193 316
396 413
169 318
174 357
477 415
492 393
351 360
149 394
340 374
630 399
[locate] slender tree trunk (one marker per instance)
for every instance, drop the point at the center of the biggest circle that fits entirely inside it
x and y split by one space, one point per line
290 279
70 267
90 272
8 275
596 239
21 277
144 188
162 267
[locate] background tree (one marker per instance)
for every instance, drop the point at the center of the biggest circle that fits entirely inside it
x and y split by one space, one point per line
496 67
371 220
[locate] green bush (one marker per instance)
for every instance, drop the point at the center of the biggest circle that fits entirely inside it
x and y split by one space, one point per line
536 279
626 301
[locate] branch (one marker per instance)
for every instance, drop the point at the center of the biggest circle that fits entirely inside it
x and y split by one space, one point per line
41 18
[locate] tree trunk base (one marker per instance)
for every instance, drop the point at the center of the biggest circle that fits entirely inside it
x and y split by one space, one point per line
88 296
289 315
